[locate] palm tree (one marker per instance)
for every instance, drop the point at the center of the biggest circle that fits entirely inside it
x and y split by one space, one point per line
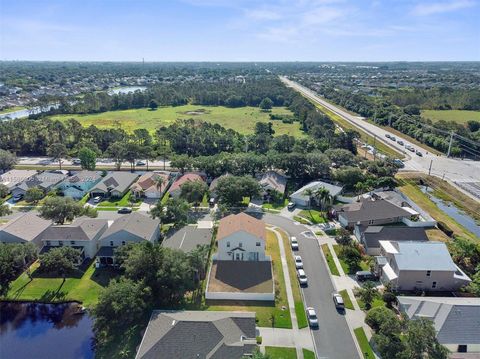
324 198
361 187
159 181
309 192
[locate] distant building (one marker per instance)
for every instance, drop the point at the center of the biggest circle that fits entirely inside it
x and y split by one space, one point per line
301 199
175 189
14 177
422 266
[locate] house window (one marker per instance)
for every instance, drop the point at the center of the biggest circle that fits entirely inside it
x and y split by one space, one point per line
60 243
258 244
48 243
72 243
111 243
370 221
228 244
240 244
123 243
434 284
429 273
462 348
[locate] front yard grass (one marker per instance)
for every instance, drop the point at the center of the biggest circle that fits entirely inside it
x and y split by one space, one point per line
346 299
281 352
363 343
297 295
125 201
346 268
84 287
308 354
313 215
276 205
377 302
265 311
328 256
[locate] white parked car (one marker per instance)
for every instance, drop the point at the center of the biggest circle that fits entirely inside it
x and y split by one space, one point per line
298 262
312 317
97 199
294 243
302 277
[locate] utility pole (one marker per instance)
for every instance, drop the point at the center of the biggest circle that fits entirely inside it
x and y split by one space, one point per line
450 144
374 149
430 168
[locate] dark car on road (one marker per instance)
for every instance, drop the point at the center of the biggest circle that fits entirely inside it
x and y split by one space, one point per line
124 210
418 153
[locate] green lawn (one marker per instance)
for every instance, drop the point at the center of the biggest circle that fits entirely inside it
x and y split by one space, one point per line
377 302
281 353
301 220
364 344
308 354
276 205
346 299
363 264
331 264
264 310
240 119
84 287
313 215
297 295
459 116
122 202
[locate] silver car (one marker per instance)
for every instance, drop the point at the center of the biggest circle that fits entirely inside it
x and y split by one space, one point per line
302 277
298 262
312 317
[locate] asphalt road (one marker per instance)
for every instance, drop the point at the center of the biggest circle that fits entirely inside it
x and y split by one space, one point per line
332 339
455 170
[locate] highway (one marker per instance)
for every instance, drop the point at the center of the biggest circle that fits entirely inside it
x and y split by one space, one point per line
452 169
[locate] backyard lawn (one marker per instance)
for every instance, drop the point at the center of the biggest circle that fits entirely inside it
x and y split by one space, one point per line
364 344
84 286
331 264
265 311
281 352
241 119
313 215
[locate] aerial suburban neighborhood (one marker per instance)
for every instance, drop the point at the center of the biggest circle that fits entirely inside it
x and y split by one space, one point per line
239 179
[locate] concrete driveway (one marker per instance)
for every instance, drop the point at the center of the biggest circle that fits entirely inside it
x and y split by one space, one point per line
333 339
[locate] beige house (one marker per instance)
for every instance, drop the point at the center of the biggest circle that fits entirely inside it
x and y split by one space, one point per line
27 228
115 184
424 266
14 177
147 185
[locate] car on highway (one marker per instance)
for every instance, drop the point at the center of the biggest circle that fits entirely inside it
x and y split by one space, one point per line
312 317
302 277
76 161
97 199
298 262
399 163
365 275
338 301
294 243
124 210
393 138
141 163
291 205
418 153
400 142
387 135
410 148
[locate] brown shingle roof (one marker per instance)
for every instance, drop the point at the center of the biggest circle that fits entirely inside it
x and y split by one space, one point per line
241 222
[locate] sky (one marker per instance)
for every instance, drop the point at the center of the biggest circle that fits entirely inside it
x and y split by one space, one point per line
240 30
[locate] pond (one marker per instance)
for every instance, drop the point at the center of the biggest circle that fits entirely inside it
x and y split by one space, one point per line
44 331
449 208
126 89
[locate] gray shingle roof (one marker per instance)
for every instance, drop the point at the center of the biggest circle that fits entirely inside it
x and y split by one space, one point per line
82 229
334 190
43 180
373 234
119 181
368 209
27 227
274 180
135 223
197 335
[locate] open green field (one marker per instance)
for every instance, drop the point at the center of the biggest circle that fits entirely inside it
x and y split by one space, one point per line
459 116
84 286
240 119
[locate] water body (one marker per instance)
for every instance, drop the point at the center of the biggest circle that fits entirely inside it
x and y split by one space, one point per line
449 208
126 89
44 331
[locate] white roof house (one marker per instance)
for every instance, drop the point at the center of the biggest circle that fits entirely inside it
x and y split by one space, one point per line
300 198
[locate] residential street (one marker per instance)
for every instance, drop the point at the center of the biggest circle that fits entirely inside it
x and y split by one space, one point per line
333 339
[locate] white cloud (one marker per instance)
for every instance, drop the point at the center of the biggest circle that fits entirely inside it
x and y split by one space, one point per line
424 9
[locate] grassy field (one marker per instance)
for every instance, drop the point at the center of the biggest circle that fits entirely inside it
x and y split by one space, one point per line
264 310
84 287
408 185
364 344
308 354
11 109
281 353
297 295
331 264
346 299
240 119
459 116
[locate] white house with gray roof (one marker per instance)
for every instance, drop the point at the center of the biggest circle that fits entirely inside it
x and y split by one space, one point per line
131 228
45 181
300 198
79 184
14 177
115 184
27 228
198 335
456 321
82 233
425 266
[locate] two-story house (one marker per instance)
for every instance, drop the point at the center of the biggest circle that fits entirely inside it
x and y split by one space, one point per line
425 266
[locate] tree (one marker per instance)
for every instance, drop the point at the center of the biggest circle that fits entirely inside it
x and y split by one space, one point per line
349 176
324 198
3 190
310 194
33 195
266 104
153 105
193 191
7 160
474 286
121 305
88 158
378 317
257 354
389 298
60 209
60 260
4 208
343 237
367 293
176 211
422 342
58 151
181 162
13 259
231 190
117 152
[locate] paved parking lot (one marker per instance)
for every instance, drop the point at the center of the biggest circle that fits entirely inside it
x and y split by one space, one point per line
187 238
